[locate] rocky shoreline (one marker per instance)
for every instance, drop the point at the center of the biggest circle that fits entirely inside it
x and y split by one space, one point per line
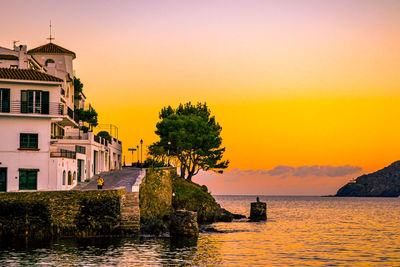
382 183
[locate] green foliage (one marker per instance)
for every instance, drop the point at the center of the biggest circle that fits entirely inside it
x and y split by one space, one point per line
191 196
153 163
98 214
155 202
105 135
85 129
89 116
78 88
59 213
190 137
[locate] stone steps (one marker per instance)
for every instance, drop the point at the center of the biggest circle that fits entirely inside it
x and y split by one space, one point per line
130 213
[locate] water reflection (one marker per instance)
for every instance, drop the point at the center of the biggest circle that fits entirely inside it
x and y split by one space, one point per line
300 231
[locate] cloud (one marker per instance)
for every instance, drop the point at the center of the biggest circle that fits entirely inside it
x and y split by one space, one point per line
280 170
302 171
316 170
281 180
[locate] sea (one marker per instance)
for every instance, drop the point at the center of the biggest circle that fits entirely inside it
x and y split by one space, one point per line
299 231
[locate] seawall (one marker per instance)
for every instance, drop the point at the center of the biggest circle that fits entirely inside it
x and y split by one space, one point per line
52 214
67 213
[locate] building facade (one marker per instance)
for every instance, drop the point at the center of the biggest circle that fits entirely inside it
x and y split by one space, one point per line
42 146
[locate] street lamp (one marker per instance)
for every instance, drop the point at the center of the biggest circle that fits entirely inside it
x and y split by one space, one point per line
169 144
137 156
141 148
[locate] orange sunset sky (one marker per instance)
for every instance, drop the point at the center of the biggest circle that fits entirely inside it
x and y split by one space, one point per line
295 84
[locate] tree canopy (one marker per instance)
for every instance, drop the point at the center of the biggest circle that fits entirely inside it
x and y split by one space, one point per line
89 116
78 88
190 137
105 135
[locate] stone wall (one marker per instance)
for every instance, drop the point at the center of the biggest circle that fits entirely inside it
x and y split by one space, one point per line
155 196
61 213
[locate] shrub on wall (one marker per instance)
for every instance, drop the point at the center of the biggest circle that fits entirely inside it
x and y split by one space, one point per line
155 201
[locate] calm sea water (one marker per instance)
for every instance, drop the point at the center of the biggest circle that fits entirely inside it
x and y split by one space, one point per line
300 231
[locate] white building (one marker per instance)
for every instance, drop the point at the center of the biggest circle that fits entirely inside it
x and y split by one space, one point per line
41 144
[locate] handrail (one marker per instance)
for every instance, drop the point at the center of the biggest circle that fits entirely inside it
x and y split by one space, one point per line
62 153
24 107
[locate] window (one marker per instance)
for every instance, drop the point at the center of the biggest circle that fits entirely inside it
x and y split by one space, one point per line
49 61
13 66
4 100
28 140
64 177
28 179
34 101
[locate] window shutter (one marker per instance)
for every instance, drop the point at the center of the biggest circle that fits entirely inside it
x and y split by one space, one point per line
24 101
5 101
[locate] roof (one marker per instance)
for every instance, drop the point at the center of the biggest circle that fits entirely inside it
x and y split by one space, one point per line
8 57
51 48
27 74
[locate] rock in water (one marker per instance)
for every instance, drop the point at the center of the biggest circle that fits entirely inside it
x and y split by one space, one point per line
184 223
258 211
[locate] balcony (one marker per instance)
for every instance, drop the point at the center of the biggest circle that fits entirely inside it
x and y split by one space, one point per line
84 136
23 107
80 149
72 115
62 153
100 140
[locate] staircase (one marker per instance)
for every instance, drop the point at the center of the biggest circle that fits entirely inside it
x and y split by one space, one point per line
130 214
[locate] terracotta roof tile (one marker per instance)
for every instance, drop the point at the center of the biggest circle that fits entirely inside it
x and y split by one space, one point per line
8 57
27 74
51 48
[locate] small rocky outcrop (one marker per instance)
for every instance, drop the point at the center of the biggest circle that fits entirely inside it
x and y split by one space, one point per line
382 183
184 223
191 196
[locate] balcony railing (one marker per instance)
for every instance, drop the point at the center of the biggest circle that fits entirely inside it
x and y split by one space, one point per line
62 153
100 140
80 149
73 137
23 107
72 115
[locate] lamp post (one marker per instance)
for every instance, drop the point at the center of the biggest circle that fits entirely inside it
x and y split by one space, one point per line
169 144
137 156
141 151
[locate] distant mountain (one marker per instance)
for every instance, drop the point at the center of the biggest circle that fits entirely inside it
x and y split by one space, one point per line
382 183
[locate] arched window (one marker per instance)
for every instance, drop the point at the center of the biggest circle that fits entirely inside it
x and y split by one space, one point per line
74 176
69 178
63 178
49 61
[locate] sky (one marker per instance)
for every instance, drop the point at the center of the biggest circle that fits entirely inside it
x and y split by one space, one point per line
307 85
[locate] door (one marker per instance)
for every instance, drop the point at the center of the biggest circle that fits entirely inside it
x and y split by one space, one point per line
3 179
79 170
33 101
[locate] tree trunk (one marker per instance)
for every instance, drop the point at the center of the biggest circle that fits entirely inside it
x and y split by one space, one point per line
190 175
183 170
